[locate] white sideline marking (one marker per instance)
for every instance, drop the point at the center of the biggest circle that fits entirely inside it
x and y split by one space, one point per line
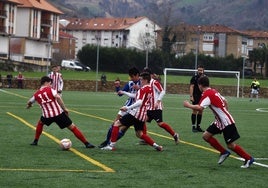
262 109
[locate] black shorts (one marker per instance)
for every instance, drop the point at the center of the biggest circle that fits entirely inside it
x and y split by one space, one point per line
230 132
196 99
155 115
61 120
129 120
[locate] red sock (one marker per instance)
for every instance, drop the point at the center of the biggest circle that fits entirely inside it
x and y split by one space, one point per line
147 139
167 128
114 134
215 144
79 134
144 129
241 152
38 130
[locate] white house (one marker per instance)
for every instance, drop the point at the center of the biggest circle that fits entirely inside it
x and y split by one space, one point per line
138 32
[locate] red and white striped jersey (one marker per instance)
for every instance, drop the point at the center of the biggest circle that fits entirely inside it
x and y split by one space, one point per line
144 94
215 101
57 80
45 97
156 89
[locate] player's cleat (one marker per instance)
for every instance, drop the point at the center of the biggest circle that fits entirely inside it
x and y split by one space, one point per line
176 138
194 129
103 144
248 163
159 148
108 147
223 156
34 143
88 145
198 129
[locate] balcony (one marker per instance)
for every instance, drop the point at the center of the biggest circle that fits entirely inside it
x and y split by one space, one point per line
3 29
46 23
3 14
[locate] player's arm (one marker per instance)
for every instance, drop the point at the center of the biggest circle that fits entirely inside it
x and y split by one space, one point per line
193 107
191 92
61 103
126 88
30 102
136 104
131 95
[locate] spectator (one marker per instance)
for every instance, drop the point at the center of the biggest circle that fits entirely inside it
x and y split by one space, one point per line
9 80
103 79
20 79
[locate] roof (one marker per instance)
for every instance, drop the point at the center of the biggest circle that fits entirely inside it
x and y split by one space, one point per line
257 34
102 23
39 4
209 29
13 1
66 35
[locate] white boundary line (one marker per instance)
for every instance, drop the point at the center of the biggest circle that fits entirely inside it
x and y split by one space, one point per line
262 109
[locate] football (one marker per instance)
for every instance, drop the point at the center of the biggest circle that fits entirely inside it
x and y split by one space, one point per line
65 144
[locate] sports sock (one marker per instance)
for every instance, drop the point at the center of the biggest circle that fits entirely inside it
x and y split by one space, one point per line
114 134
121 133
38 130
167 128
215 144
109 133
198 119
193 119
144 129
79 134
241 152
147 139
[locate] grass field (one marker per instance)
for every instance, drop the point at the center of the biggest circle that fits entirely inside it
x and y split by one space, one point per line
192 163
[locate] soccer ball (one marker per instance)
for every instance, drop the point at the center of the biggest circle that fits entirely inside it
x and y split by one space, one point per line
65 144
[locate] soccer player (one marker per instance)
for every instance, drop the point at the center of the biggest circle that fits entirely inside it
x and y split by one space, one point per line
131 86
57 80
224 123
155 112
195 95
136 116
255 88
53 110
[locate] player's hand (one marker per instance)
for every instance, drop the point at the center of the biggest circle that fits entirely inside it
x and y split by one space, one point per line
186 103
66 111
136 86
124 108
120 92
29 105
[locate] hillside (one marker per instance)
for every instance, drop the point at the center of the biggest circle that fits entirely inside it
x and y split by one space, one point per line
239 14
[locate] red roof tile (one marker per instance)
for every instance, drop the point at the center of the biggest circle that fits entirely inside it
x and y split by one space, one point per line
101 23
39 4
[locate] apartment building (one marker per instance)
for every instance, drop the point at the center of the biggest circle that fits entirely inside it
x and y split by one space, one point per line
139 32
8 15
32 27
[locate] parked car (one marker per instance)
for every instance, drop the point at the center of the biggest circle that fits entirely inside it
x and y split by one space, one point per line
71 64
248 72
85 68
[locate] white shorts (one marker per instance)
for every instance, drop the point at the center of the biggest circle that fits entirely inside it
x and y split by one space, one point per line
254 91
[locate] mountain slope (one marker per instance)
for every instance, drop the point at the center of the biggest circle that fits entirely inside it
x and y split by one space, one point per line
239 14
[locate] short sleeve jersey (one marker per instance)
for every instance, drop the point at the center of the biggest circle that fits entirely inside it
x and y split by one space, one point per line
156 90
212 98
57 82
45 97
194 81
129 87
144 94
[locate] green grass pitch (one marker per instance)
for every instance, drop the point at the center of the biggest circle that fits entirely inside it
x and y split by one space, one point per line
192 163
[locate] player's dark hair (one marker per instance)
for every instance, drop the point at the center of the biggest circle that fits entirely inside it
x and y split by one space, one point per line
133 71
147 69
146 76
200 66
203 81
45 79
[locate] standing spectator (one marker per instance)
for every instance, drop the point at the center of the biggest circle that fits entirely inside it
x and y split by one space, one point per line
195 95
20 79
255 88
103 79
223 123
1 81
9 80
53 110
57 80
136 115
